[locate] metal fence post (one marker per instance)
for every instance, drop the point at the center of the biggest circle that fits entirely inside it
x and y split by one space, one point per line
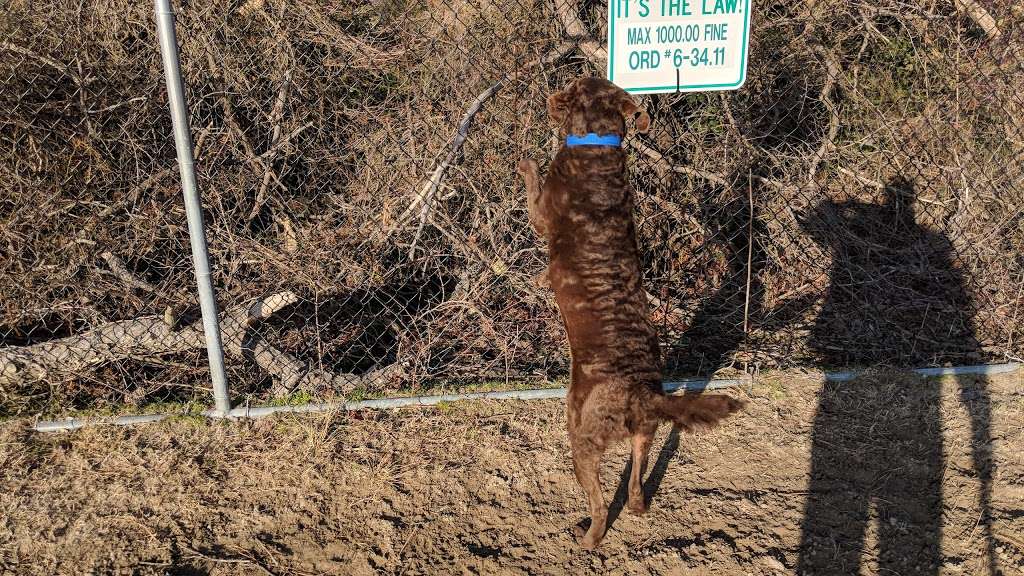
193 207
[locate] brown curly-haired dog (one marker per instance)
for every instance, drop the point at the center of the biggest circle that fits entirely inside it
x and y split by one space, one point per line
585 210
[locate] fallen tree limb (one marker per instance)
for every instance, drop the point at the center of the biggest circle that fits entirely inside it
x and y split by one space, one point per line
151 336
138 338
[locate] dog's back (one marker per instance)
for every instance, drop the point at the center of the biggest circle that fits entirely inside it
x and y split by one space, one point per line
585 209
595 270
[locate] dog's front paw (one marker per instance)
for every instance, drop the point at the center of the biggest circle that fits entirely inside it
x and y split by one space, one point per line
528 167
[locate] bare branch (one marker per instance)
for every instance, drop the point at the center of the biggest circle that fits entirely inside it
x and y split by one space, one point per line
45 60
119 269
832 74
276 116
258 162
660 158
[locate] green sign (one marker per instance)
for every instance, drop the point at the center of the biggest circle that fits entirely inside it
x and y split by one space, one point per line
678 45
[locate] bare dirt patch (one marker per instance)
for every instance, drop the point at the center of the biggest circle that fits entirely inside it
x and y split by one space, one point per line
487 488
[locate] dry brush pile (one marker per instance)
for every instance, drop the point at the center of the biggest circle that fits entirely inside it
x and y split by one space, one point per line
367 227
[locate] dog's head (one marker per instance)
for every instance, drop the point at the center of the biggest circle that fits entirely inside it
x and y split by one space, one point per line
595 105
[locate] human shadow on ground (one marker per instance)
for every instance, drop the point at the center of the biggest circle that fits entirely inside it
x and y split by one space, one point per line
876 446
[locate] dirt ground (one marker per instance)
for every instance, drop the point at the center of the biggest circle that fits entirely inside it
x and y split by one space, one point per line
487 488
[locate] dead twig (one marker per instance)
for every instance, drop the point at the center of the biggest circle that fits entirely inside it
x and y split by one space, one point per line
268 160
660 158
429 190
659 303
750 251
119 269
45 60
861 178
257 162
249 561
284 141
131 198
711 177
1016 309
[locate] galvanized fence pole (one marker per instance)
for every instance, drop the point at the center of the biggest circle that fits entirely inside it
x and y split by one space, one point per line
193 207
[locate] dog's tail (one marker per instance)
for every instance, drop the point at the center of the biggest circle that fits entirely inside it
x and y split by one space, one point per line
697 412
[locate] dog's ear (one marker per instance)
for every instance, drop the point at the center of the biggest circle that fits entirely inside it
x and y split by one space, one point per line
629 109
558 106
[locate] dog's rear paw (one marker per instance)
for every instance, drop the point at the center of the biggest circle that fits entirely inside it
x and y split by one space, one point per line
579 530
588 543
637 508
584 537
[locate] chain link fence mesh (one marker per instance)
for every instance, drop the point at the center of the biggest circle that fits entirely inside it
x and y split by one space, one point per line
857 202
95 249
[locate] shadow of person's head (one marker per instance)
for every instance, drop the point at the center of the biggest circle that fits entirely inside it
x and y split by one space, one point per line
887 221
895 293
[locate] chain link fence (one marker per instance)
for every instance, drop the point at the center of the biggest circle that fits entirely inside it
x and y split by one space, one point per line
858 201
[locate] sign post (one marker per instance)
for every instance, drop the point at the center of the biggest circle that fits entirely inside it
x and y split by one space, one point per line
678 45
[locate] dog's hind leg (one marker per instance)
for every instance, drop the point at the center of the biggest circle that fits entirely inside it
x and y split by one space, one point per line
587 465
641 442
531 176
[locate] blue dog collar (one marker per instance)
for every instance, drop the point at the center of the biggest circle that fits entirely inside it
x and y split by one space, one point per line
593 140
